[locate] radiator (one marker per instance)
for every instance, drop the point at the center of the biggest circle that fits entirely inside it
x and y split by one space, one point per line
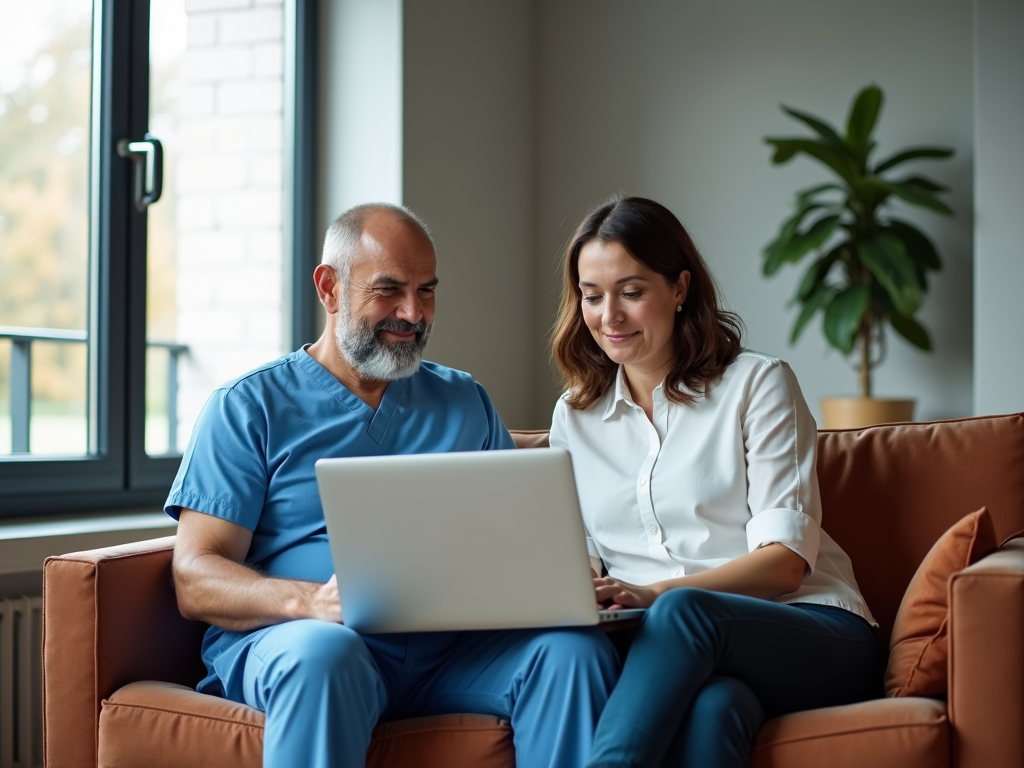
21 706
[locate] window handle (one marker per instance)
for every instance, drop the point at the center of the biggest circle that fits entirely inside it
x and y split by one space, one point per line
148 158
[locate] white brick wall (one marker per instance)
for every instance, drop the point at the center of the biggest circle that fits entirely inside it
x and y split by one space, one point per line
229 177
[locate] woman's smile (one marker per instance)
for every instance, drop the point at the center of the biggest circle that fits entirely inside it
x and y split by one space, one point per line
629 308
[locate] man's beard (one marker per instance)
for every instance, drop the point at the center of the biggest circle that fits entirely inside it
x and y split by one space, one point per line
374 358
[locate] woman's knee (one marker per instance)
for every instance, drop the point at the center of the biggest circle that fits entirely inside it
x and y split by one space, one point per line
726 700
685 602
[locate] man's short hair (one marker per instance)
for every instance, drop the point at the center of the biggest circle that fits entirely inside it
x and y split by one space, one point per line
342 240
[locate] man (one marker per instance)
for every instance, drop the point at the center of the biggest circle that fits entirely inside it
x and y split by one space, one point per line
252 557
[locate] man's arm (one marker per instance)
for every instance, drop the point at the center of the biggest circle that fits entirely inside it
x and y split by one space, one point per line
213 584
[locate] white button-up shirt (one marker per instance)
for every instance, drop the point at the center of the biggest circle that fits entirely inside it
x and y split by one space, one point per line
701 484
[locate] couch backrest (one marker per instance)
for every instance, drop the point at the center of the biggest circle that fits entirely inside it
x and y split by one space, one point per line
889 492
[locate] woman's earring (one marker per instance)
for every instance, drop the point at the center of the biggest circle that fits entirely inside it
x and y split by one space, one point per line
679 308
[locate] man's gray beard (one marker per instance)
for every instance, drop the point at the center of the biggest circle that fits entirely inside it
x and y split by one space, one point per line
374 358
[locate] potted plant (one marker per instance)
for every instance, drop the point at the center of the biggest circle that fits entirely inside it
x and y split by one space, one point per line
868 269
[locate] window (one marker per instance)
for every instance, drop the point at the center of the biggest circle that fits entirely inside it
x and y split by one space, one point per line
155 178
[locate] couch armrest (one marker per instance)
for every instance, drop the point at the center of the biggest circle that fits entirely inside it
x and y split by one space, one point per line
109 618
986 662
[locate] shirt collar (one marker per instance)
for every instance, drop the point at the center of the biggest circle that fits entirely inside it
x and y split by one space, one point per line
620 394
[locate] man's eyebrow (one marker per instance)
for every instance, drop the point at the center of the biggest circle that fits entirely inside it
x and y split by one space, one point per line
620 281
389 280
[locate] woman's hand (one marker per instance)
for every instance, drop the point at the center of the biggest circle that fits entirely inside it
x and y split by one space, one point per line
615 594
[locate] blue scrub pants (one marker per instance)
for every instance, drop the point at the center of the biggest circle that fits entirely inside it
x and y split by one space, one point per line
705 669
324 687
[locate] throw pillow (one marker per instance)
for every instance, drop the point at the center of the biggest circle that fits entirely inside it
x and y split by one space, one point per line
919 645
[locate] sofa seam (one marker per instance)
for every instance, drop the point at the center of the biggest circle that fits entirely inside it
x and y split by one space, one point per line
98 706
123 556
151 708
891 727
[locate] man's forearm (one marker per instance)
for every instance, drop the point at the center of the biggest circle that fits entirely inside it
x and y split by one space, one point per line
216 590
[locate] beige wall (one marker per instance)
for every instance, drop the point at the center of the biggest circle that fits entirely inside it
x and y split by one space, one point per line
517 116
999 203
671 101
469 155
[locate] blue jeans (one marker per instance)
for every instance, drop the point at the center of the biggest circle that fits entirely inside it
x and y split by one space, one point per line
705 669
323 687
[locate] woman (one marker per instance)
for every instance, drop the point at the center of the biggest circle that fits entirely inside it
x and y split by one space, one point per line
694 461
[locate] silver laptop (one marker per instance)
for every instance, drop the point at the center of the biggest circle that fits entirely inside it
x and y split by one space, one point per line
459 541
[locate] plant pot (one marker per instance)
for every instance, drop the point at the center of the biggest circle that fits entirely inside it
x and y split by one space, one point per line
856 412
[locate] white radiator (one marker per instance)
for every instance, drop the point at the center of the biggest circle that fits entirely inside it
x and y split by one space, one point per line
21 706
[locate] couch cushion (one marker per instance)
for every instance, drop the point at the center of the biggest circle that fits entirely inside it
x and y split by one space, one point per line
889 492
919 647
163 725
887 733
530 438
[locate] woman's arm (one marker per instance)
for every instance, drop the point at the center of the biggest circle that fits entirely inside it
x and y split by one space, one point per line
766 573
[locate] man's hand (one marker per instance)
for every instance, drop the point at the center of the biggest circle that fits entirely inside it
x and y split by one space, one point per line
325 604
614 594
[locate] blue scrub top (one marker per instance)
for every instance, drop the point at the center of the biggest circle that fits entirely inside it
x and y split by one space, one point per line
250 459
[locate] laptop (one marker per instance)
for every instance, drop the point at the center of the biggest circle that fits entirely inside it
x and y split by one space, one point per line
459 541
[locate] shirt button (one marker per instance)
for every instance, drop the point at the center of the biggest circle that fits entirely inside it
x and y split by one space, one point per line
654 529
643 481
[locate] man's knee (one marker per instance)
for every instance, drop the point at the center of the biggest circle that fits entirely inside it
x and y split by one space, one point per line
571 650
310 651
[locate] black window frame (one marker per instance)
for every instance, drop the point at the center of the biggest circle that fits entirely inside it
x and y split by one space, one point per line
120 474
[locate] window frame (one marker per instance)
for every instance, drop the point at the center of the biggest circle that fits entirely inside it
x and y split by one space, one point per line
120 474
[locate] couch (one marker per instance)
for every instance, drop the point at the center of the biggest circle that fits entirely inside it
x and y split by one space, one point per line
120 663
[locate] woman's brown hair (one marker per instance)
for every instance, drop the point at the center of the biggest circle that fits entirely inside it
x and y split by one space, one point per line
707 338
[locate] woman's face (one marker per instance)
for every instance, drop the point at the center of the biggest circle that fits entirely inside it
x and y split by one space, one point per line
629 308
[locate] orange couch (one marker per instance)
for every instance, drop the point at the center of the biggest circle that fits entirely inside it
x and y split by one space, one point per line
119 662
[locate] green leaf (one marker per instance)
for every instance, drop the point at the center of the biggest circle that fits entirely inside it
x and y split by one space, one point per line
797 246
886 258
863 117
818 271
823 129
786 149
913 154
909 192
844 316
821 297
911 330
915 195
805 196
924 183
918 246
786 233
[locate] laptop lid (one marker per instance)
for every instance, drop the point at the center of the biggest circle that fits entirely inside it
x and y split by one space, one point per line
457 541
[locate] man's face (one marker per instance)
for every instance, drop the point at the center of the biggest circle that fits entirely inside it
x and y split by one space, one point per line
387 307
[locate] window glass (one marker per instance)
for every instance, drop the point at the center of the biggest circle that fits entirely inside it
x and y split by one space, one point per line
45 66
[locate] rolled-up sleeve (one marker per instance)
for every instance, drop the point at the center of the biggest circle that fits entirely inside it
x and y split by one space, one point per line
780 439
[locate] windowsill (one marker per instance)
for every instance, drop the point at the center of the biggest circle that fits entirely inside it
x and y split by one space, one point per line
25 544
